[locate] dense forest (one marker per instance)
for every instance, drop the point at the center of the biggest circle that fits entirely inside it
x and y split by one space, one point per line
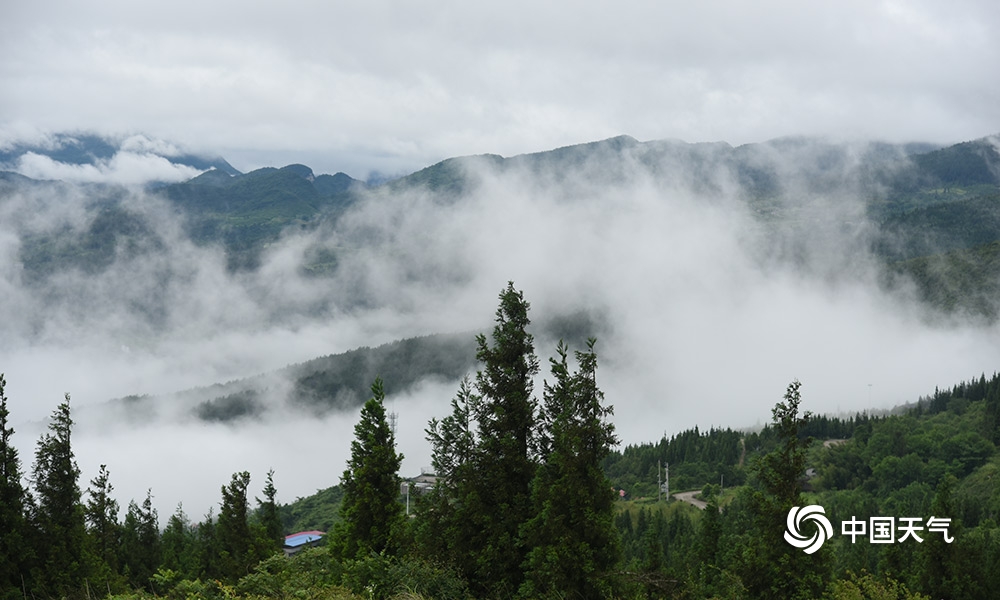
534 501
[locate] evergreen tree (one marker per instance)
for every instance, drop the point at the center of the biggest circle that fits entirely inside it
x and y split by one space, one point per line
709 532
177 545
991 418
939 573
773 568
270 520
370 510
105 531
444 511
141 542
207 548
571 538
233 529
64 564
504 461
14 525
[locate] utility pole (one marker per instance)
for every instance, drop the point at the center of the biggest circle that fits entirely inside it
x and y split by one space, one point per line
667 484
659 486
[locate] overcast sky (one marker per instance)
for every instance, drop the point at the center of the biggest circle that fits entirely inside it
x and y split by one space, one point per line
395 86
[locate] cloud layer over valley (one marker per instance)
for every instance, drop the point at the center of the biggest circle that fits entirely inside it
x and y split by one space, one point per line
706 303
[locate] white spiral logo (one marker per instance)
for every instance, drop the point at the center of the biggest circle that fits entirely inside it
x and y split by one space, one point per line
813 512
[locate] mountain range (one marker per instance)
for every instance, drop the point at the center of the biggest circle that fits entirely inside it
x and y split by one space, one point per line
930 215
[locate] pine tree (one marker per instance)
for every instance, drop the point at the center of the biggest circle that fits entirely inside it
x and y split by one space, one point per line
938 568
60 514
177 545
571 538
105 531
233 529
13 510
774 568
709 533
270 520
207 548
446 509
370 510
504 461
991 418
141 542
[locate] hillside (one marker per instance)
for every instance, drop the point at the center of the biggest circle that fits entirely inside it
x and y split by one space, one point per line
336 382
247 212
921 202
937 456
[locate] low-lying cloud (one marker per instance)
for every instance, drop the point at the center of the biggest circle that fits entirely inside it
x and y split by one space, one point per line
706 313
124 168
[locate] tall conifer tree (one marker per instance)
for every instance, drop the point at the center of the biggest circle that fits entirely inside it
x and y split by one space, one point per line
141 542
504 461
447 509
13 514
571 539
178 545
270 520
104 528
370 510
774 568
64 565
233 529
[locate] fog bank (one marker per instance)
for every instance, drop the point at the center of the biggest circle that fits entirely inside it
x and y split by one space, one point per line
704 313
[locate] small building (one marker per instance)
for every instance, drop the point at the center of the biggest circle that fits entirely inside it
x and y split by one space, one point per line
421 484
297 542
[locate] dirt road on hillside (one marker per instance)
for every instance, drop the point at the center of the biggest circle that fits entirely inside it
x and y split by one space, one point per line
689 497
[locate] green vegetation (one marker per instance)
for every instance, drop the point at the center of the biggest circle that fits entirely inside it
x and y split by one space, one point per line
112 230
922 203
15 558
965 281
371 517
334 382
320 511
524 505
247 212
244 213
339 381
572 540
58 511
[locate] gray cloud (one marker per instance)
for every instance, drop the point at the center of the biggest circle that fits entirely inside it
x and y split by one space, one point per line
393 86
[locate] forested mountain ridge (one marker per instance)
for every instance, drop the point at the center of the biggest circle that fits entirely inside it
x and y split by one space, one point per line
336 382
929 215
243 213
922 201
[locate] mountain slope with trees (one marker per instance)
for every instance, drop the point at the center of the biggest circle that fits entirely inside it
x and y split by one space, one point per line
936 458
921 201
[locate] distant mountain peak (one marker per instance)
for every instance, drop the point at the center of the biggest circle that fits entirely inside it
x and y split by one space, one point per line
94 158
302 171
